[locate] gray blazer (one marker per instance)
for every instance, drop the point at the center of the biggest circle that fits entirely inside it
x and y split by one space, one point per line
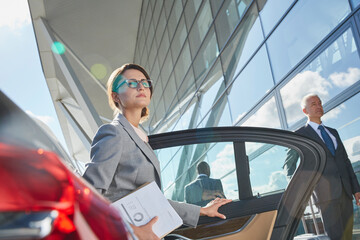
122 162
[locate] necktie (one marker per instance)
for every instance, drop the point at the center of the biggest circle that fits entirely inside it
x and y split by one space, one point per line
327 139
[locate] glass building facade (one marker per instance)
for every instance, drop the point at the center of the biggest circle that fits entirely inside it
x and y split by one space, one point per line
248 63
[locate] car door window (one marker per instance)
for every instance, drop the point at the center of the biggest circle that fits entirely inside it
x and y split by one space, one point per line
265 173
258 168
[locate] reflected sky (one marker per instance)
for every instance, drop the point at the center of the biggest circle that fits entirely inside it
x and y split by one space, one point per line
302 29
265 116
335 69
347 122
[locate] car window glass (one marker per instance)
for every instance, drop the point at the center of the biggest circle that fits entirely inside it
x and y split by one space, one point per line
270 169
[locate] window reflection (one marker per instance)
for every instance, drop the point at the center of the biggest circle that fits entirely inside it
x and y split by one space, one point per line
305 26
334 70
220 114
183 64
355 3
210 90
174 18
228 18
271 11
245 41
191 9
185 120
200 28
265 116
206 56
250 86
266 167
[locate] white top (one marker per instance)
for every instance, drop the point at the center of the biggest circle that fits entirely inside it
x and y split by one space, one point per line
140 133
315 126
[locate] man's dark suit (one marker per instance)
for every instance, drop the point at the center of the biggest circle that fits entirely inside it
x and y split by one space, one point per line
335 187
202 190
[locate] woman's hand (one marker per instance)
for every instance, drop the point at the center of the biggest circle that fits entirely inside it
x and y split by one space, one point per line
145 232
211 209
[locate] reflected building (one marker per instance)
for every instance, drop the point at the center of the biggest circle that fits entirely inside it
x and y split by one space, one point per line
213 63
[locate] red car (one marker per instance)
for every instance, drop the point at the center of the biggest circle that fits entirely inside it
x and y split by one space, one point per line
41 198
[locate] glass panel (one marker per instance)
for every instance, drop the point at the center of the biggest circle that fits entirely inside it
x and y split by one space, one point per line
167 7
157 10
265 116
148 18
160 113
200 28
152 54
167 69
220 114
335 69
266 168
169 92
245 41
210 90
174 18
304 27
225 119
179 39
154 74
150 37
271 11
185 119
215 5
182 64
163 48
187 86
206 56
181 170
161 27
191 9
355 3
251 85
228 18
221 159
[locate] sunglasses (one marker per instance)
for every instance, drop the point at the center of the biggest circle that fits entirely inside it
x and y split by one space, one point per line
131 83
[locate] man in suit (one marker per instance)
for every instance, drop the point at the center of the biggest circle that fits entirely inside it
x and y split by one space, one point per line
203 189
333 193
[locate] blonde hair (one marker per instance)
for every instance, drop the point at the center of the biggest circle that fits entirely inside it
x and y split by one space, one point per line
115 106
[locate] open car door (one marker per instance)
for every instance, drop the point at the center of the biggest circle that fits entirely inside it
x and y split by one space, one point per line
267 202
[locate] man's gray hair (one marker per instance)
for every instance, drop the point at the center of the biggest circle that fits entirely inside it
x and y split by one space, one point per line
306 97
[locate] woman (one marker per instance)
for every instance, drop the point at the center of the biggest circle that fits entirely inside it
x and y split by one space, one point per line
121 158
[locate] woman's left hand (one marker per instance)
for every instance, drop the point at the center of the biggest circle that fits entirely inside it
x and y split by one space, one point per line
211 209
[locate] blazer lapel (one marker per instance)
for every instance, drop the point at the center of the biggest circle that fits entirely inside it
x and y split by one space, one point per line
144 147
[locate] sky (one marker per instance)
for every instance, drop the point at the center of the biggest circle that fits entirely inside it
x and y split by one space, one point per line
22 78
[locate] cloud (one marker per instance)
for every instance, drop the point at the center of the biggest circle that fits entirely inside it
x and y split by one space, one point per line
224 162
302 84
45 119
266 116
14 14
333 114
352 146
277 181
343 79
239 117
